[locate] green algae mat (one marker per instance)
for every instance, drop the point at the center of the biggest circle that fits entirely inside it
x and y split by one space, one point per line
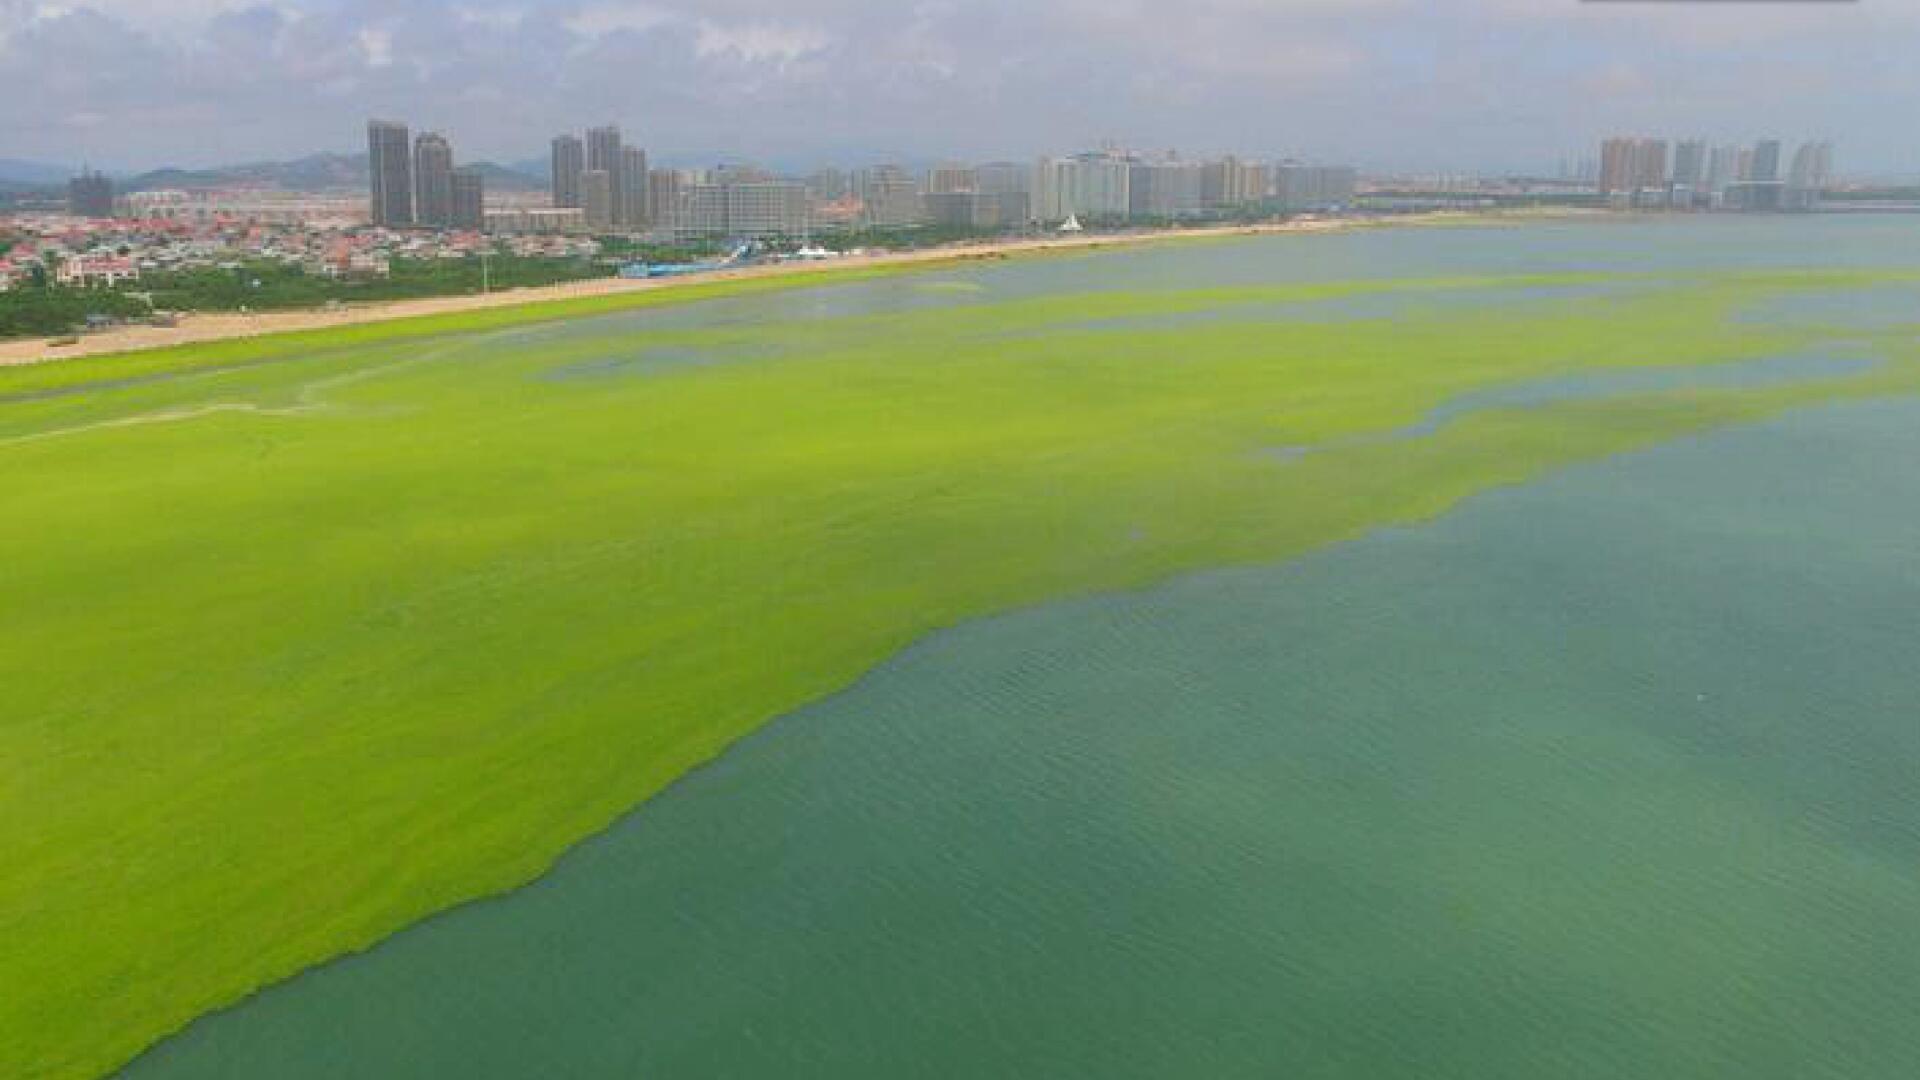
303 640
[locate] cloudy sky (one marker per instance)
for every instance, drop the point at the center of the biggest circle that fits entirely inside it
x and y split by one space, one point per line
1451 85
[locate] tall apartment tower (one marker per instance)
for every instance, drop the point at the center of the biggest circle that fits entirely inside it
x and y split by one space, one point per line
1812 169
1812 166
569 161
889 196
596 195
390 165
467 200
665 188
949 178
90 195
1766 161
603 155
635 212
1616 165
1633 166
828 185
1650 164
1690 163
1723 168
432 180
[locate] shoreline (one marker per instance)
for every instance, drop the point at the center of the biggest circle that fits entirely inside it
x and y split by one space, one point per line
194 329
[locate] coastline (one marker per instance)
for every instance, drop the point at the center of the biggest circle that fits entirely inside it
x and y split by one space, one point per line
194 329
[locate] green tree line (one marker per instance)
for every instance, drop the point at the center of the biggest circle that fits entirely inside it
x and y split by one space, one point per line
39 308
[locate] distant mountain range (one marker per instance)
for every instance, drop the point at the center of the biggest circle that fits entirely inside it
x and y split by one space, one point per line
16 173
317 172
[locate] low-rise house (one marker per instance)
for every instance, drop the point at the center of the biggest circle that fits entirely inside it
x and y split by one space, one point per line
86 271
341 264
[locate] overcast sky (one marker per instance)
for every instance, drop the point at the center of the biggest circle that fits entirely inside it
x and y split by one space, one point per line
1453 85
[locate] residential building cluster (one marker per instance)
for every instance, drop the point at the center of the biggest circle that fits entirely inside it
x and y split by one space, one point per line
93 251
600 183
601 178
217 207
415 183
1640 173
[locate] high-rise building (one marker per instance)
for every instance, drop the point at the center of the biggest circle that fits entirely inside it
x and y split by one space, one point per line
634 209
569 161
90 195
1650 164
1689 173
1759 186
1818 171
1314 187
947 178
665 188
596 195
977 209
828 185
766 208
1085 185
1633 168
889 197
432 180
1811 171
703 210
1616 166
738 173
955 209
1232 182
996 177
1213 182
1009 184
1690 163
390 166
467 199
740 203
604 155
1723 168
1164 189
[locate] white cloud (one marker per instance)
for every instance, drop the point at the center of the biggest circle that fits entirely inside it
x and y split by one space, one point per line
757 42
599 20
171 18
376 45
497 18
1496 82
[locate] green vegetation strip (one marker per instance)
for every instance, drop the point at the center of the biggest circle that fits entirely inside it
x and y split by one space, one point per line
307 638
177 359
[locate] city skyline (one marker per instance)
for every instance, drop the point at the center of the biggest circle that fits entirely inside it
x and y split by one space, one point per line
1489 86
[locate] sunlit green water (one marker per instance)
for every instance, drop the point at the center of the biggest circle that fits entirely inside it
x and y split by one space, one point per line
1608 776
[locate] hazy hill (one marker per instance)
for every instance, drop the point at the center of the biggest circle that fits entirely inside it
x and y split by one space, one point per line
317 172
19 173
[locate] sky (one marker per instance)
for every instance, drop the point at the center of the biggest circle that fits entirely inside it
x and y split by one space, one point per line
1393 85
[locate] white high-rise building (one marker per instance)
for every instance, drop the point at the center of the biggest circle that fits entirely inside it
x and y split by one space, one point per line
1082 186
1808 176
1723 168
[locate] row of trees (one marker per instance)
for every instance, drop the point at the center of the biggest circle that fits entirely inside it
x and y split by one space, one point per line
39 307
41 312
276 286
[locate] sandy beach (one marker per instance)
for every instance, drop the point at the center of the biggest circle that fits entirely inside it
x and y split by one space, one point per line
194 328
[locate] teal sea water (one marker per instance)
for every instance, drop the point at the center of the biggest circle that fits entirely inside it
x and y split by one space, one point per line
1613 775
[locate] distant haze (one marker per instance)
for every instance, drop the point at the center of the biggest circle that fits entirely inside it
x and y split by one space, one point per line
1430 85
